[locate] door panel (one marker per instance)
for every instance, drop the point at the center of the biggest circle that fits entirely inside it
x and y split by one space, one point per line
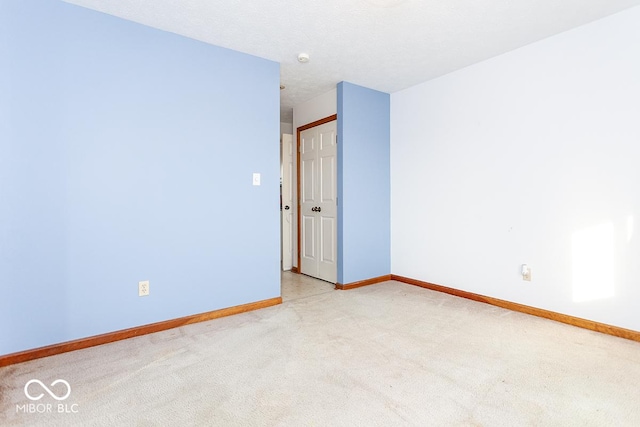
308 180
287 201
308 259
318 207
327 231
327 174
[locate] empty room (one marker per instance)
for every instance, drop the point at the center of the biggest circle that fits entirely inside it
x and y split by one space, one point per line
348 212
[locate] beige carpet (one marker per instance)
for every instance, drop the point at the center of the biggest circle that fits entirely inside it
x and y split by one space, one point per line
382 355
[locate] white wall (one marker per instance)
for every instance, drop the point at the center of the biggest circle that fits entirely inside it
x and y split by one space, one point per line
530 157
317 108
286 128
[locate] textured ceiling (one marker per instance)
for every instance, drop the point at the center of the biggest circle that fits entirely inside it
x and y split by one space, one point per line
386 45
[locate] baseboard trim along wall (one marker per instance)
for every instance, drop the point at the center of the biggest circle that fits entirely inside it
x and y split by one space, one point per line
51 350
361 283
558 317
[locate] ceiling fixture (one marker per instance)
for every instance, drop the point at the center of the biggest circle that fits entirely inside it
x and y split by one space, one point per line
303 58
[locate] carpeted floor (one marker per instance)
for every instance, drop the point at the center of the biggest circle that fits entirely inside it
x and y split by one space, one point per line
382 355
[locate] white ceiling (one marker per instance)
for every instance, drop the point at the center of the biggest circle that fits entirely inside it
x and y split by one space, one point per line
386 45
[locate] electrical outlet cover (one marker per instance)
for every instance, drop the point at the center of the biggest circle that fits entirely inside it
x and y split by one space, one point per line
143 288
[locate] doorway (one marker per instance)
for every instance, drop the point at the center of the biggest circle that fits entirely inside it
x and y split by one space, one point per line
317 200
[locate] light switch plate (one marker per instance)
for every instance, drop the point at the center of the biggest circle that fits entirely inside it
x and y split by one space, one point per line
256 179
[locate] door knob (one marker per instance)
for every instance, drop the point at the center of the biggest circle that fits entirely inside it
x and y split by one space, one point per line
286 208
318 209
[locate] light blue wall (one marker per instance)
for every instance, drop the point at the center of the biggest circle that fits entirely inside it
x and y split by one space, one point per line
363 183
126 154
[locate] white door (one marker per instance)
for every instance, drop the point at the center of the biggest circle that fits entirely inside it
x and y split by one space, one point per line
287 201
318 202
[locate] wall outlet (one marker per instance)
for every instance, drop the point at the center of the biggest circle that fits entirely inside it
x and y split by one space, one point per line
143 288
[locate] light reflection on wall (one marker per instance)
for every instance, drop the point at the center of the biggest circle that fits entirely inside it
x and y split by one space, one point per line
592 263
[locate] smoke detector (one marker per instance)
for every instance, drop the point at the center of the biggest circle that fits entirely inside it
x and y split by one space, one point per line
303 58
